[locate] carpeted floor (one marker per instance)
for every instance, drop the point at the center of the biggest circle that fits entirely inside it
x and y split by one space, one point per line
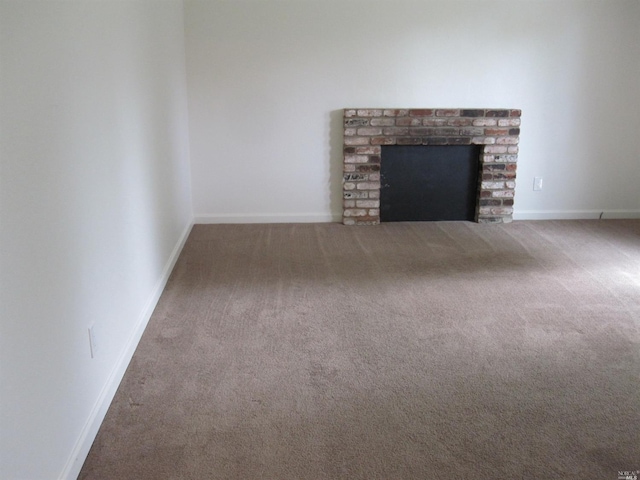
400 351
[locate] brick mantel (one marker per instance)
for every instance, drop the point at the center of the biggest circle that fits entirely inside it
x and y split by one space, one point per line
367 129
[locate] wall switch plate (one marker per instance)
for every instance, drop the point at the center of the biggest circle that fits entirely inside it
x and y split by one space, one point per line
93 345
537 184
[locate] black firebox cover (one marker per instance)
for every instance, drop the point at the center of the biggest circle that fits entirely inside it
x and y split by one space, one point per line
428 182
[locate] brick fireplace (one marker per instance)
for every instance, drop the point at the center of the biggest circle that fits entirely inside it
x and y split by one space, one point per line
366 130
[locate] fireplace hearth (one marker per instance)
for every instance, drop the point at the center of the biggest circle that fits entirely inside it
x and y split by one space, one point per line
366 130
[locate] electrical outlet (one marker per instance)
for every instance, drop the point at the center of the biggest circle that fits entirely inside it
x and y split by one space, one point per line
537 184
93 345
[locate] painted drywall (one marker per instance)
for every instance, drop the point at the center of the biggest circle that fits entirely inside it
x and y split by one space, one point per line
267 81
95 202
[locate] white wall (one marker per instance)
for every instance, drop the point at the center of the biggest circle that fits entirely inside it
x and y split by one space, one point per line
267 81
94 204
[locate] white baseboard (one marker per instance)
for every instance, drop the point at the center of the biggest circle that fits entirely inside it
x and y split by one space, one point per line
267 218
575 214
90 430
327 217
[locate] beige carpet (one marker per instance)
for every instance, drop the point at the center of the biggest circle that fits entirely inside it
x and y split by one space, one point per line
401 351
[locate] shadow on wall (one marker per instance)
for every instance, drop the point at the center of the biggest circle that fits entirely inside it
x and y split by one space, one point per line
336 132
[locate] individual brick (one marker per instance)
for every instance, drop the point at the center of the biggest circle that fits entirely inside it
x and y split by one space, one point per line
354 212
509 122
349 204
496 131
502 193
489 202
507 140
445 131
368 186
434 140
459 122
447 112
350 112
485 122
502 210
350 132
367 168
458 140
409 141
408 122
370 112
351 177
495 149
369 131
368 203
473 132
507 158
356 158
421 112
396 112
396 131
492 185
383 140
497 113
369 150
348 186
356 122
495 210
504 176
435 122
421 131
493 167
349 195
472 113
382 122
356 140
483 140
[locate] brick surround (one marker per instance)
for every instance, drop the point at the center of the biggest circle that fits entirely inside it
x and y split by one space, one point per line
367 129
